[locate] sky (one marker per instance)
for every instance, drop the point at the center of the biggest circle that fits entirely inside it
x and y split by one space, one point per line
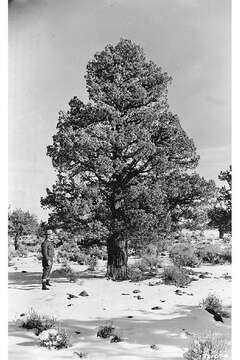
50 43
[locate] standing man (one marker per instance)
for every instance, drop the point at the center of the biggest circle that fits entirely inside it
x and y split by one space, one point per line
47 258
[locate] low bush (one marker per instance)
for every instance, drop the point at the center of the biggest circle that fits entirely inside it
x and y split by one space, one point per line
174 275
97 252
149 264
214 254
92 263
135 274
67 272
37 322
212 302
105 331
55 338
214 305
183 255
206 347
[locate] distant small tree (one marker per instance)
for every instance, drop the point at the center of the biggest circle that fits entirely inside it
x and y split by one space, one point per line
21 223
221 214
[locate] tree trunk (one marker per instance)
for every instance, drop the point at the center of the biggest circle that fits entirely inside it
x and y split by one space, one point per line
16 243
117 258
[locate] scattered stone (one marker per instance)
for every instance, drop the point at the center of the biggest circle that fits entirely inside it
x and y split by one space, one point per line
139 297
178 292
23 314
154 283
226 314
129 316
187 332
81 354
156 308
162 301
83 293
226 276
116 339
69 305
154 347
71 296
125 294
78 332
204 275
136 291
190 294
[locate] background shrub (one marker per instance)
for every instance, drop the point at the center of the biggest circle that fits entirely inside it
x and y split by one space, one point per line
206 347
67 272
92 262
149 264
174 275
214 254
134 273
183 255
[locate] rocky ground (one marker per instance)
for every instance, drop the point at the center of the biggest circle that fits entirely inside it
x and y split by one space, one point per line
170 326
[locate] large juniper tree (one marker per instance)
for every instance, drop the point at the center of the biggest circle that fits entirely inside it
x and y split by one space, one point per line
113 154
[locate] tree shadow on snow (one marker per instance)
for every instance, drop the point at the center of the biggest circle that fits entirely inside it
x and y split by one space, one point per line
172 333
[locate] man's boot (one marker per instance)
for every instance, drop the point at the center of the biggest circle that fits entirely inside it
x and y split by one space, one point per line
48 282
44 287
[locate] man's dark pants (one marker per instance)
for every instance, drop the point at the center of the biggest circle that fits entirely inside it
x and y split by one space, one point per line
46 271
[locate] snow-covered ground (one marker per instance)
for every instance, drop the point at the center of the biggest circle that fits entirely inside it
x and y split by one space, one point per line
170 327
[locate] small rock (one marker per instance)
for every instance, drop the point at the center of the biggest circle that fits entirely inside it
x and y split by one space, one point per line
24 271
154 347
156 308
178 292
83 293
187 332
69 305
15 268
22 314
125 294
129 316
71 296
139 297
162 301
78 332
136 291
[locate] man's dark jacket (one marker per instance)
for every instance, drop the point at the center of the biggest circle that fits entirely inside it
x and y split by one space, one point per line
47 252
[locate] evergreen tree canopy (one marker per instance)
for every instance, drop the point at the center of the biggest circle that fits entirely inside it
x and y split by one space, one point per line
114 153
